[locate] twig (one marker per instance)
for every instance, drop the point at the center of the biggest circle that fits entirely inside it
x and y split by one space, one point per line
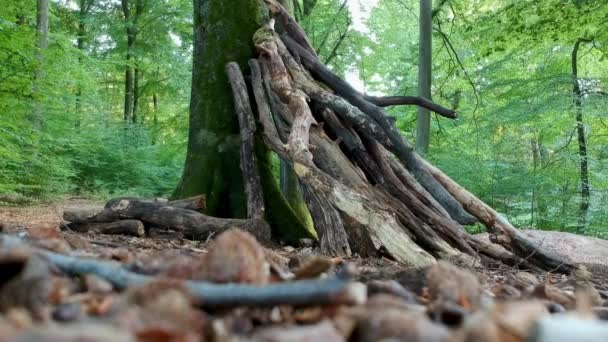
305 292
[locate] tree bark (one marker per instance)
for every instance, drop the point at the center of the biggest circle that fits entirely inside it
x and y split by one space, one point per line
249 164
125 227
157 214
131 33
288 180
221 35
425 63
42 41
582 140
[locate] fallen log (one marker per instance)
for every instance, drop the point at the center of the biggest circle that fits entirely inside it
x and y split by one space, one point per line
118 227
196 203
125 227
156 214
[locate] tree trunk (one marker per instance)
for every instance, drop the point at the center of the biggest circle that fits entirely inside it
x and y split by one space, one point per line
130 30
42 41
223 34
83 8
577 95
136 75
425 63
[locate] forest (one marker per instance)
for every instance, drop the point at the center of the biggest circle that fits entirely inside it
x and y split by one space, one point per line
504 66
310 162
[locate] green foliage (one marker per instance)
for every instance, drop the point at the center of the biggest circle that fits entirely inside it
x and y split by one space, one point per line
505 65
84 147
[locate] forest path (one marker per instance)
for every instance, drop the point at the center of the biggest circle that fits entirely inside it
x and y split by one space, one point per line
44 213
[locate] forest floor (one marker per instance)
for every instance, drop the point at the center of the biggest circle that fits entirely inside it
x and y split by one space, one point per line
399 300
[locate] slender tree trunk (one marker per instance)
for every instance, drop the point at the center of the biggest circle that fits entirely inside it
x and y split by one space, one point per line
423 120
308 6
128 101
582 143
42 41
154 118
136 76
84 6
539 203
139 12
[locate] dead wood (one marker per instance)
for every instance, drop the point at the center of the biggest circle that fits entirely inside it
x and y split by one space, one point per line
196 203
305 292
397 145
249 165
382 226
386 101
502 232
125 227
191 223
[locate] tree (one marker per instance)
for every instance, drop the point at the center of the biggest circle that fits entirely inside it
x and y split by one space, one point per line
42 42
131 77
423 120
577 96
223 34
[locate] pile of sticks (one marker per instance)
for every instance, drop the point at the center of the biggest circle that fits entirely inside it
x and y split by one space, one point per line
366 188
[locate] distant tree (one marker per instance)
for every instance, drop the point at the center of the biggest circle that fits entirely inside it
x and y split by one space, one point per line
42 42
423 120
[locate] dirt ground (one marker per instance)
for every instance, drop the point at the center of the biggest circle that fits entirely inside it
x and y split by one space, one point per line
154 313
589 251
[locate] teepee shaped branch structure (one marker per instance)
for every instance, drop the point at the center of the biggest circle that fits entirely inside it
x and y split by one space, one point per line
366 188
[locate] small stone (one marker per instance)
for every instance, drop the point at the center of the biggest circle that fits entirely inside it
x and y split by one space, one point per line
323 331
235 256
67 312
526 278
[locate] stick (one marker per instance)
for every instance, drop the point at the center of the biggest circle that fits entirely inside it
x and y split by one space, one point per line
249 164
305 292
398 145
387 101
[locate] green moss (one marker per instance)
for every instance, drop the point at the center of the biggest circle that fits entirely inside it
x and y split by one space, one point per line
293 195
281 217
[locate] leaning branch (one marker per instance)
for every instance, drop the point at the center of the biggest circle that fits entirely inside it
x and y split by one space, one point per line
386 101
249 164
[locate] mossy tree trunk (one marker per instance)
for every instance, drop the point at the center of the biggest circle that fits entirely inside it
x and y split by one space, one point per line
222 34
